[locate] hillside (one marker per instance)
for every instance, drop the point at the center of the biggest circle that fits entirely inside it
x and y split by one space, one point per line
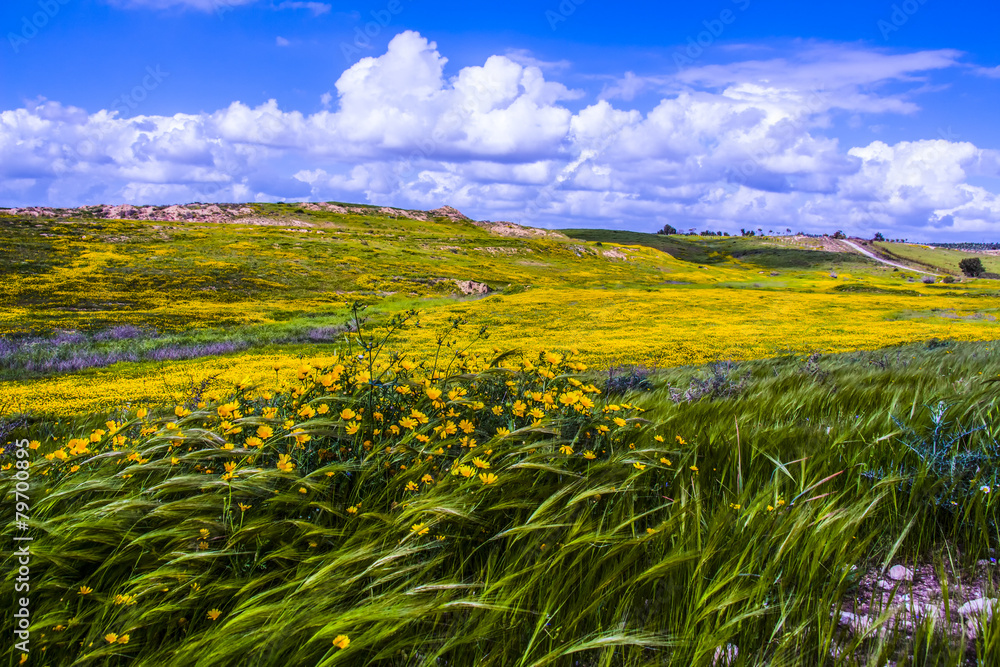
296 435
138 304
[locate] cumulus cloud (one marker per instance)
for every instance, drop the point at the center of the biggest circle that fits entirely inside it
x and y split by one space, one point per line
316 8
724 150
202 5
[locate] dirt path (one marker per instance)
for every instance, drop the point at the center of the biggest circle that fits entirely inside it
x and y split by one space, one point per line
867 253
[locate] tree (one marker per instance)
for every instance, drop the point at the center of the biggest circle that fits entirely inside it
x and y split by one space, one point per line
667 229
972 267
839 235
878 237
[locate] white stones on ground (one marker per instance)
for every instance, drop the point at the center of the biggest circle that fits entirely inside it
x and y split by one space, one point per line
900 573
856 622
977 606
725 655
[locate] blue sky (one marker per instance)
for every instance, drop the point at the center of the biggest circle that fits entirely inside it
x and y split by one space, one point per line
859 116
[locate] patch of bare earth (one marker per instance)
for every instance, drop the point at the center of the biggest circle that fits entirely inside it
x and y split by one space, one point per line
921 599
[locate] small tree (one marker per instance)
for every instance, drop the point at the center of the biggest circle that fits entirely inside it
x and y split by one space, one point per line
839 235
972 267
878 237
667 229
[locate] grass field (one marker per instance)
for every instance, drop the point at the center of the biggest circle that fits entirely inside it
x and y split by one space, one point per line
301 444
941 259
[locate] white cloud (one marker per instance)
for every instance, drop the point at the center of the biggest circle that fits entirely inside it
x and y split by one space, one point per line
281 41
317 8
526 58
722 151
202 5
627 87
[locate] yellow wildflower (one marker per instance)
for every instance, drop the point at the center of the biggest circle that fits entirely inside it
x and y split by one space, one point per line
285 463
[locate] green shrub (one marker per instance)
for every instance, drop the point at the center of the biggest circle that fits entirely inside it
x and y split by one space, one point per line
972 267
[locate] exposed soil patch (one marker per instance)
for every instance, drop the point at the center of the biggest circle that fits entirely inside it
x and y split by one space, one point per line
908 599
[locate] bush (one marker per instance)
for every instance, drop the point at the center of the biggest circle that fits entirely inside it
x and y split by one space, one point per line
972 267
948 279
623 379
723 381
936 343
928 280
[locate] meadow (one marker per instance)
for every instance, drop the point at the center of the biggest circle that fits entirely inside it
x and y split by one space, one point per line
302 444
938 259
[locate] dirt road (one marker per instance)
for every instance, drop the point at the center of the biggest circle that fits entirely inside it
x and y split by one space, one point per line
866 253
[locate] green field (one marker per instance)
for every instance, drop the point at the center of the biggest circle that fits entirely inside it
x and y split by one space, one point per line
633 450
939 259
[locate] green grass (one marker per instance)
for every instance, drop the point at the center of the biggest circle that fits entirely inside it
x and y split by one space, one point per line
89 274
940 259
550 565
741 526
762 252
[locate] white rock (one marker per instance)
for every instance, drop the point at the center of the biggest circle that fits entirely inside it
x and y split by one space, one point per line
726 655
856 622
900 573
977 606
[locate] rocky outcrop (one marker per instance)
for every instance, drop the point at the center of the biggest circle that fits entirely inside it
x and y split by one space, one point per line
172 213
472 287
449 212
504 228
246 214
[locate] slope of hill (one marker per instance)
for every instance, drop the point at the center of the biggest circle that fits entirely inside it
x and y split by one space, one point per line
941 260
140 305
